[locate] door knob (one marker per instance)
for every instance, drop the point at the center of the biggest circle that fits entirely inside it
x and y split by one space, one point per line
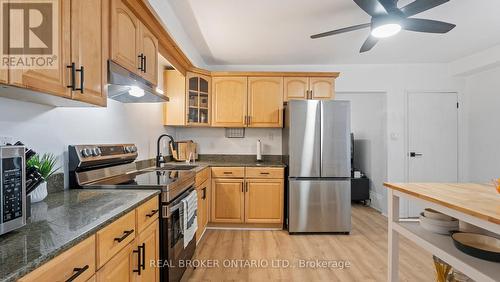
414 154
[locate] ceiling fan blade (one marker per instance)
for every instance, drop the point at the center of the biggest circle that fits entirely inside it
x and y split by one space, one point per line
389 5
430 26
371 7
419 6
369 43
341 30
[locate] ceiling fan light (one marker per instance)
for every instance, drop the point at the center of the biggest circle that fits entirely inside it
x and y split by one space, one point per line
386 30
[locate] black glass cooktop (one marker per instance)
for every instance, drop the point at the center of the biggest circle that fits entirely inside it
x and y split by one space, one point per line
146 179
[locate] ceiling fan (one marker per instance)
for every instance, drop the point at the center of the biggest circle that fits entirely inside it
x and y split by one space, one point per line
387 20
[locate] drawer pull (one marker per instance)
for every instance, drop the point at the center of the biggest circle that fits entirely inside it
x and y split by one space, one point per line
264 173
78 272
153 212
228 172
125 235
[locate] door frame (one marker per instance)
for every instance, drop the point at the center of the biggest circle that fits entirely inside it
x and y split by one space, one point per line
374 195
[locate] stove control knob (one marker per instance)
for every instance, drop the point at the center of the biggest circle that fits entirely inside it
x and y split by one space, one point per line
133 149
86 152
96 152
128 149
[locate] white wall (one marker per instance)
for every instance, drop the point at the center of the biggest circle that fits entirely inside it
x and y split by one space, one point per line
48 129
368 123
396 81
213 140
483 106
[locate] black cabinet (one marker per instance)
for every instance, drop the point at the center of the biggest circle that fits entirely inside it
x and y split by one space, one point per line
360 189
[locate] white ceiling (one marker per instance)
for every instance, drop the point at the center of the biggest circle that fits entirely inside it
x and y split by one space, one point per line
276 32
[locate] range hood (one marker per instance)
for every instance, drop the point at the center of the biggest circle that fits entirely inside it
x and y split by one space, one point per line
127 87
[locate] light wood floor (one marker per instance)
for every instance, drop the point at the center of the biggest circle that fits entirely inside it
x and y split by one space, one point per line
365 249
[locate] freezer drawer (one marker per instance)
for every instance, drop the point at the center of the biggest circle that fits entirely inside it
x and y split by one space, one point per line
319 205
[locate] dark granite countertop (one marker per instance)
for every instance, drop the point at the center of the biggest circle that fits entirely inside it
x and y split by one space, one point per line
233 161
61 221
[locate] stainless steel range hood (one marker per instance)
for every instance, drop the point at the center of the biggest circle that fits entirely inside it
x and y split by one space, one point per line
127 87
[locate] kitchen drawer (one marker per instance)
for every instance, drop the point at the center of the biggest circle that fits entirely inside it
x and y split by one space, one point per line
146 214
265 172
228 172
202 176
114 237
62 267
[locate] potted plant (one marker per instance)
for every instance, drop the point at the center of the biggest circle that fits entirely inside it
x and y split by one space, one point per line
46 165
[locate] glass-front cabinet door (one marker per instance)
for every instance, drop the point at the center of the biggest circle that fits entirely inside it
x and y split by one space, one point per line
198 99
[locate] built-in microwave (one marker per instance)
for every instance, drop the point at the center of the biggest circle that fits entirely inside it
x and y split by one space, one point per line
12 188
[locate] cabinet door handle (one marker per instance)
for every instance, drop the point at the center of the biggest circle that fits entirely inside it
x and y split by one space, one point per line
153 212
139 259
141 62
125 235
204 196
77 272
264 173
73 76
249 120
246 187
145 63
228 172
143 256
82 78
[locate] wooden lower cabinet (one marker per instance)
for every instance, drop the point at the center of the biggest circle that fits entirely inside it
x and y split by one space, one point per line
120 267
264 201
203 208
228 200
62 267
134 260
4 76
258 199
149 241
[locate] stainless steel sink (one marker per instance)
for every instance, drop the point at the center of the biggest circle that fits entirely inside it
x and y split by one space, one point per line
177 167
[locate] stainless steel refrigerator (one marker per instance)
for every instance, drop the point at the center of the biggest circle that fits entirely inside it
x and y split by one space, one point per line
317 150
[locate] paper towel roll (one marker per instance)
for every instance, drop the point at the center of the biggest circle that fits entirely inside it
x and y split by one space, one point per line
259 151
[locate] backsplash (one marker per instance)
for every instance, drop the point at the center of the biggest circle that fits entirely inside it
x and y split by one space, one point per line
48 129
213 140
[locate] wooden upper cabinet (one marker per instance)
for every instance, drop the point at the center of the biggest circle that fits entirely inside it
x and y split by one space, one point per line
174 85
198 99
149 47
53 80
303 88
322 87
296 88
228 200
89 49
125 37
264 201
265 101
229 101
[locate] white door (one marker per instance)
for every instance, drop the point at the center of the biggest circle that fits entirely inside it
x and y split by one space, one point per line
432 140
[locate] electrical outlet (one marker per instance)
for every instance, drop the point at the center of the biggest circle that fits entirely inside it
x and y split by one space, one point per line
5 139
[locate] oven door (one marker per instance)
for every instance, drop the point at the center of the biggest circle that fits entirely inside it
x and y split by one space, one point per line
173 250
